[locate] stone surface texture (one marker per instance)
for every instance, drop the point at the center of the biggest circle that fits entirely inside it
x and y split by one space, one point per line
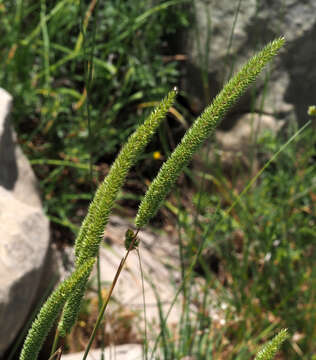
16 174
237 148
24 233
160 264
241 141
118 352
289 83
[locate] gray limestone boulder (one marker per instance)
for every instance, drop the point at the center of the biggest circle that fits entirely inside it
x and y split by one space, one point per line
241 141
24 234
24 240
237 148
16 174
227 33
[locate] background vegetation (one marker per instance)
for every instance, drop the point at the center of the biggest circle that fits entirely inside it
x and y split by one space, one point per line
46 48
258 257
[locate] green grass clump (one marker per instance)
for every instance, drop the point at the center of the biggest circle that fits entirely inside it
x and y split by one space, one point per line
258 253
45 48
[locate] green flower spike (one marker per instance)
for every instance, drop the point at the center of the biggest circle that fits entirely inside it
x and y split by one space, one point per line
91 232
270 349
92 229
49 312
200 131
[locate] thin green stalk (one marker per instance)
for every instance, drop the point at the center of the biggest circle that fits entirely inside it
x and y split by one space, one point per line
57 353
230 43
88 81
145 351
204 56
167 352
105 304
60 163
55 343
88 75
58 7
100 301
45 42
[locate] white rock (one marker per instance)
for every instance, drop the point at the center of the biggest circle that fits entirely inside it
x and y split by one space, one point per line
236 146
117 352
16 173
289 87
24 241
246 132
24 234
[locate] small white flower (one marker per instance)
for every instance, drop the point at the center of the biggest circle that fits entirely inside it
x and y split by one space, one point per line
276 243
267 257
